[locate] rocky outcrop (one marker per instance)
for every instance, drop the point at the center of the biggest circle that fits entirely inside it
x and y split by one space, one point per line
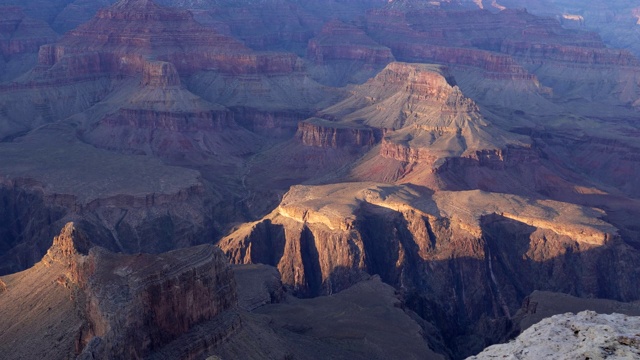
583 335
464 260
123 305
424 117
165 296
162 117
330 134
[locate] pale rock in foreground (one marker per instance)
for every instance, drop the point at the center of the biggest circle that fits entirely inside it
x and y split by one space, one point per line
587 335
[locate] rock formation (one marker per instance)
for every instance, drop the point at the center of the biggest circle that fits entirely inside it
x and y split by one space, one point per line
112 43
583 335
90 303
162 117
496 159
111 305
330 134
462 259
126 203
423 115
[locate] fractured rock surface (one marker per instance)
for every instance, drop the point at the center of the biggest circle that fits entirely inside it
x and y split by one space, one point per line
586 335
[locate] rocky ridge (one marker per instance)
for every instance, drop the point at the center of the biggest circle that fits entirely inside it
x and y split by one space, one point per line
93 304
149 293
160 116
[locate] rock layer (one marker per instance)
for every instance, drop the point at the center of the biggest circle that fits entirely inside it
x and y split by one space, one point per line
123 305
120 38
463 259
329 134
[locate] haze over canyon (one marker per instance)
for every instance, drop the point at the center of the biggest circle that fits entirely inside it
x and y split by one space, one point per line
310 179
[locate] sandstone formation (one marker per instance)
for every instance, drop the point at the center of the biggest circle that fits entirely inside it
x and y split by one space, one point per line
330 134
496 158
90 303
111 42
423 115
111 305
484 248
584 335
536 52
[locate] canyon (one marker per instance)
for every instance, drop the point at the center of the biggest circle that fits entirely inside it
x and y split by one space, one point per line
315 179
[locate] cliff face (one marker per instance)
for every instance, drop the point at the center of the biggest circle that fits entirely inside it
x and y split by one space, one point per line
123 306
511 45
463 260
157 209
165 297
327 134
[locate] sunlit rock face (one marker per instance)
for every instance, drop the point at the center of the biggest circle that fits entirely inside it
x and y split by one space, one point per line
463 259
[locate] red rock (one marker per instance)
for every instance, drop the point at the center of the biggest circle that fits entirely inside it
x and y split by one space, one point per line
159 74
457 267
115 306
329 134
121 38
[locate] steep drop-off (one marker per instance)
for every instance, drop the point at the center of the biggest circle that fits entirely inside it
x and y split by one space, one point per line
98 305
463 260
